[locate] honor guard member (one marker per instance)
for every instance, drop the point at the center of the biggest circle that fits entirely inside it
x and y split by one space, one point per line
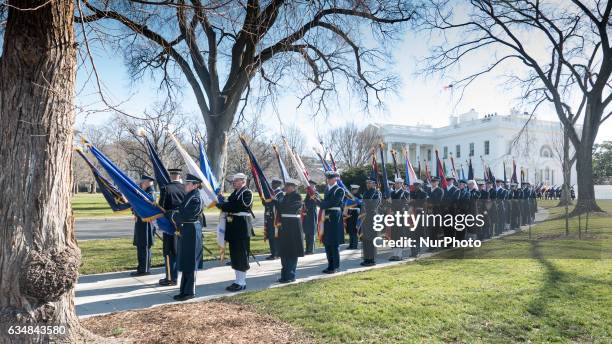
515 206
399 203
419 199
333 233
485 208
143 234
494 211
309 222
451 197
187 221
436 195
238 228
353 209
500 195
371 204
451 194
270 218
290 235
526 204
171 197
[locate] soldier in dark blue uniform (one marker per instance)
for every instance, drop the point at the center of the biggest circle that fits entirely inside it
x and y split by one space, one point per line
290 234
143 234
526 204
399 204
500 195
492 208
171 197
189 230
353 209
238 228
270 218
418 198
515 197
333 232
310 220
371 204
436 196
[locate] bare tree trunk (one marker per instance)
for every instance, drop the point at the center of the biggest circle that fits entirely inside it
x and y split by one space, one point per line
584 160
586 188
218 131
39 258
567 172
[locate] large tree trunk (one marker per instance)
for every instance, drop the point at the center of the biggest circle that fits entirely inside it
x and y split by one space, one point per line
218 131
586 188
584 159
567 172
39 258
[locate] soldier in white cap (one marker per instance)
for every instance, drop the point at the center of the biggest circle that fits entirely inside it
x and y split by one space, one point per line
238 228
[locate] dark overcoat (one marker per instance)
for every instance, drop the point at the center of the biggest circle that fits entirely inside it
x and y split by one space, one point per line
290 235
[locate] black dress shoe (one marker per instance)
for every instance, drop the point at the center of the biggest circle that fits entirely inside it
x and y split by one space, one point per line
235 287
368 263
139 273
183 297
270 257
395 258
329 271
164 282
176 297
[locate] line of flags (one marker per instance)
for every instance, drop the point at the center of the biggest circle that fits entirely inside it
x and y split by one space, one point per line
142 203
112 195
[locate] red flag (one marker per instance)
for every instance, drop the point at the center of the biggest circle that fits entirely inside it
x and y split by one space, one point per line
441 174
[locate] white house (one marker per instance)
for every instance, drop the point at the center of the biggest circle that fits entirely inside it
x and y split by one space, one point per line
491 138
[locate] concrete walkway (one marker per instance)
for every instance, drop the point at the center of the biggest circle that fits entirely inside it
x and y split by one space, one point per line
117 291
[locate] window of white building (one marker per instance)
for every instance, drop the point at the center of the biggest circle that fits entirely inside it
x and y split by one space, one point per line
471 148
458 151
486 147
545 152
429 155
445 155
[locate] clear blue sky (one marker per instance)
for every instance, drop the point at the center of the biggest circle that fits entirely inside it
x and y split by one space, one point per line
418 99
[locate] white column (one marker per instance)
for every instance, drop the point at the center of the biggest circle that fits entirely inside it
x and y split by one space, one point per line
417 154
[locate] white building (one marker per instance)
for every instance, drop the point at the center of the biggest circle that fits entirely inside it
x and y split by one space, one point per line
490 138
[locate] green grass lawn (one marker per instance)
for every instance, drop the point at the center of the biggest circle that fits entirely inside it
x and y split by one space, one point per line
118 254
87 205
521 290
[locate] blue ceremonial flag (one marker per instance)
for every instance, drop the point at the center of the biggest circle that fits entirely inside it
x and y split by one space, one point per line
205 167
161 173
326 166
113 197
462 172
142 203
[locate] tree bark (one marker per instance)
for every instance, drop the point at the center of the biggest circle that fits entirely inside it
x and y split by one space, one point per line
39 258
586 188
567 171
